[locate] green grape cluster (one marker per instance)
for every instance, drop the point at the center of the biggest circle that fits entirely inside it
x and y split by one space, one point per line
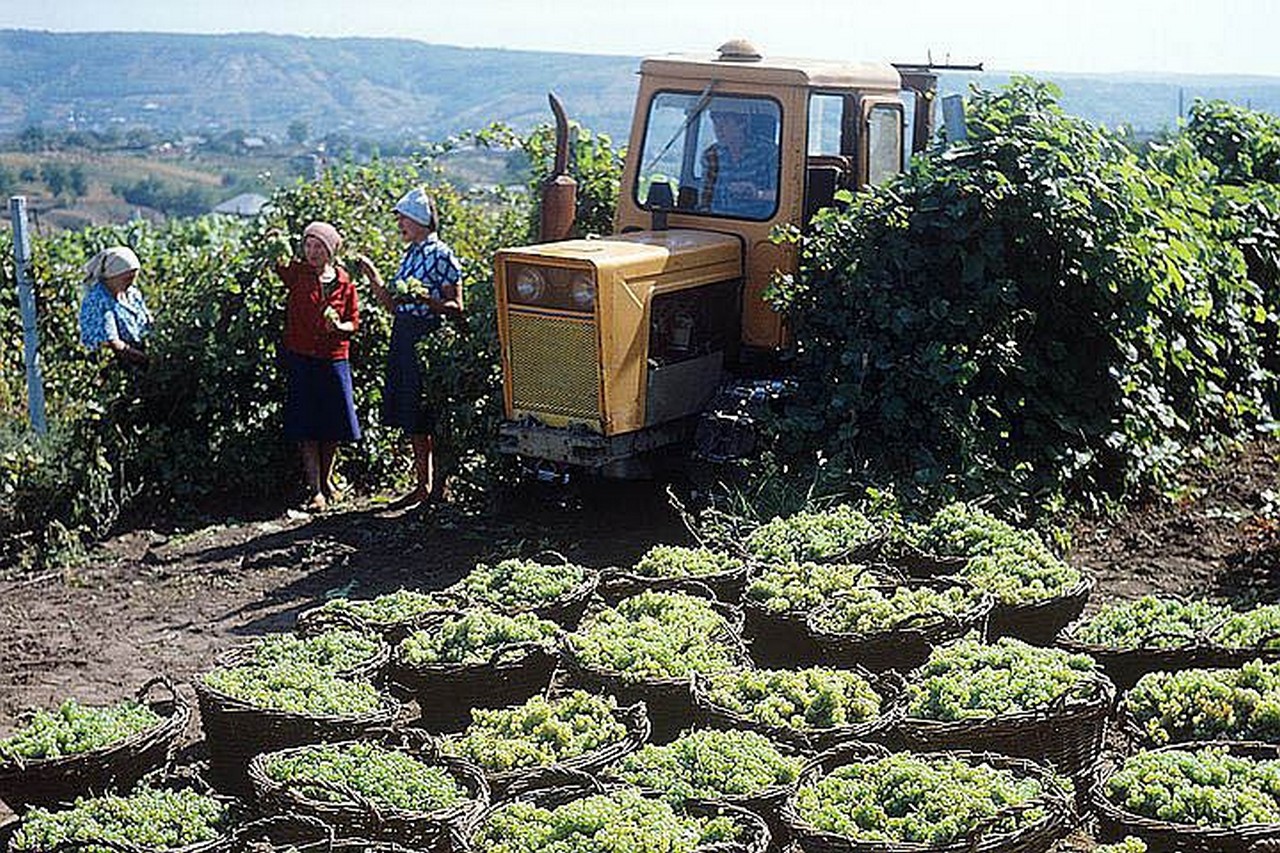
408 289
812 698
869 610
1150 622
970 679
909 798
386 777
1258 628
393 608
656 635
73 729
1206 787
295 688
819 537
538 733
151 818
474 636
709 765
1130 844
1206 704
338 649
675 561
278 248
1013 565
796 587
620 822
521 584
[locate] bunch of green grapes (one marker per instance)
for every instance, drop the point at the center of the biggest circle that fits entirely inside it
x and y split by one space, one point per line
74 728
656 635
812 698
908 798
1206 787
295 688
869 610
675 561
620 822
278 248
796 587
539 733
521 584
1130 844
386 777
970 679
1013 565
408 289
393 608
1150 622
1258 628
338 649
474 636
1207 704
709 765
151 818
819 537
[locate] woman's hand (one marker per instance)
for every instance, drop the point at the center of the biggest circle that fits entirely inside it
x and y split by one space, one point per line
366 269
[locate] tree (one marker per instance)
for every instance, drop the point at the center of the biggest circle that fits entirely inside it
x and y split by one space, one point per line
55 176
7 181
78 180
299 130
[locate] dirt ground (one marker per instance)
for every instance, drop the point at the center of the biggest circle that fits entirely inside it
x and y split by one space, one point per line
151 602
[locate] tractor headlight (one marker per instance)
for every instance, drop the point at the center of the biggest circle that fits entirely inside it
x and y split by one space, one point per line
582 291
530 285
561 288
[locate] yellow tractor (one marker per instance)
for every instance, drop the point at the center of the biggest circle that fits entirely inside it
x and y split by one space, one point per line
614 347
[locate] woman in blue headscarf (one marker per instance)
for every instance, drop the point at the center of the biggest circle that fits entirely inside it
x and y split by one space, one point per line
426 289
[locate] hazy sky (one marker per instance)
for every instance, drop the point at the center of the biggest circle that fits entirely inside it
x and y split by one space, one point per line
1194 36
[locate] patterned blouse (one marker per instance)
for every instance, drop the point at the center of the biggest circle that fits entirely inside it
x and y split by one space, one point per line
104 318
434 264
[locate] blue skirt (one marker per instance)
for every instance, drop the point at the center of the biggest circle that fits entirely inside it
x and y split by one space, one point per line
402 402
319 405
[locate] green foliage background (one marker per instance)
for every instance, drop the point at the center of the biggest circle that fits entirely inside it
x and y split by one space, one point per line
204 420
1038 311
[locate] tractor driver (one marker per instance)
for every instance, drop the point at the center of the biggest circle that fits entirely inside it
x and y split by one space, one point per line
740 169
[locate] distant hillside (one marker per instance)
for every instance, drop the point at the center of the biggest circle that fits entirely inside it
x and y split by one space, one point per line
391 88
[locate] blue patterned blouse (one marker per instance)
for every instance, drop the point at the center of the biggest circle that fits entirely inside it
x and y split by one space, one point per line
434 264
104 318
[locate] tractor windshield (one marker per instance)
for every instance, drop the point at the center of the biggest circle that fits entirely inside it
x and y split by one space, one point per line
712 154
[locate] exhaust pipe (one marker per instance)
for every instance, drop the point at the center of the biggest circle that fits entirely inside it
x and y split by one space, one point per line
560 190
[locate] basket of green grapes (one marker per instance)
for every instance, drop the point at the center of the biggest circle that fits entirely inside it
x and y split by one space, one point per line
666 567
558 591
393 786
859 798
572 811
1220 797
394 615
75 749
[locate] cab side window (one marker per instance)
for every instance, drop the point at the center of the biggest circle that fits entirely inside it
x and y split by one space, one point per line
884 143
831 163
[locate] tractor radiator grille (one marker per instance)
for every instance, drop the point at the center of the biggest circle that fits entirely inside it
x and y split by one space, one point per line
555 366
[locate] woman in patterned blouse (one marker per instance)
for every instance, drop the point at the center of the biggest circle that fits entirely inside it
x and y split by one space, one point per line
425 290
113 315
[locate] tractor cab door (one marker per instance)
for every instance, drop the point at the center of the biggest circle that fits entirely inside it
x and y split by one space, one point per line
853 142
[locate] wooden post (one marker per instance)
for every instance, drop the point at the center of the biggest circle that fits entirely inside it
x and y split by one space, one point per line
27 304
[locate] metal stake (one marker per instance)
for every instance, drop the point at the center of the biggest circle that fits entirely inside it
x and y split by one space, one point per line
27 304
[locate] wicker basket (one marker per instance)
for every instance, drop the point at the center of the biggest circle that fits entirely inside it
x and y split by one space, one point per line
1068 736
235 731
1039 622
566 610
291 833
372 668
888 685
906 645
446 692
51 781
1035 837
554 787
356 816
1162 836
318 619
617 584
503 782
1126 665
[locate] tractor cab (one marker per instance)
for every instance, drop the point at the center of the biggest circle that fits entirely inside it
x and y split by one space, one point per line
612 347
